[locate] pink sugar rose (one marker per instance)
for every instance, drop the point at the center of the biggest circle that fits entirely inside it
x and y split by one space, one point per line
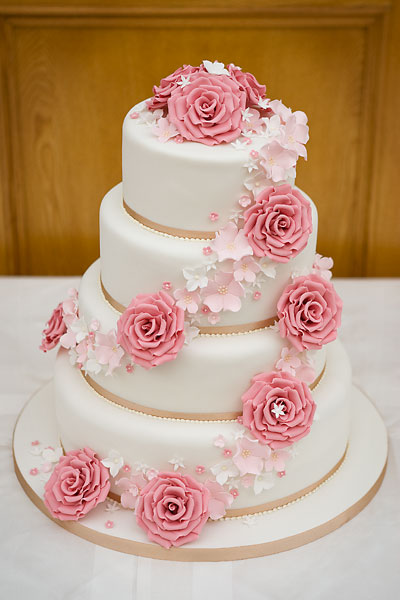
309 312
279 224
208 110
168 84
278 409
172 508
54 330
78 483
248 83
151 329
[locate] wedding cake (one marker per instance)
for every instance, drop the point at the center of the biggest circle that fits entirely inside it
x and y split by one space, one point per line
199 377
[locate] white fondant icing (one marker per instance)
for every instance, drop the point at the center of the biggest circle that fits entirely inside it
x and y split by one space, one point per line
178 185
209 375
136 260
86 419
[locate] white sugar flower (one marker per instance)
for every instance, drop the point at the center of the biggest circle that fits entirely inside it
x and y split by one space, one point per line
92 365
263 103
177 463
267 268
112 506
149 117
52 455
141 467
273 127
114 462
195 278
246 115
184 81
239 145
251 165
224 471
264 481
191 332
257 181
239 433
215 68
249 520
278 409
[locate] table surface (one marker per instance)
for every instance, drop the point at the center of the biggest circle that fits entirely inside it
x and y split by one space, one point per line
41 560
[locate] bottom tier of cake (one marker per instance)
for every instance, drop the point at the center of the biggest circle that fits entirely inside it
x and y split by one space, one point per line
205 449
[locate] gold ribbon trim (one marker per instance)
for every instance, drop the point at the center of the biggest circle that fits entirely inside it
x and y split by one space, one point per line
185 554
166 414
173 231
221 330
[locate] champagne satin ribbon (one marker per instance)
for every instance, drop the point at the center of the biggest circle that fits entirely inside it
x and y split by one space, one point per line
221 330
172 231
166 414
186 554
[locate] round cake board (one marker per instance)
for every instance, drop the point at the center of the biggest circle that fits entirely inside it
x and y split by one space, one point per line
335 502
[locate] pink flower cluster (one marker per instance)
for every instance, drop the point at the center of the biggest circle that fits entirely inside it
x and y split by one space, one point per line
278 409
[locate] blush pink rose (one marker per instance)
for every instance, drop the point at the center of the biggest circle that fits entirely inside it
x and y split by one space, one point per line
309 312
151 329
172 508
209 109
248 83
78 483
279 224
278 409
54 330
168 84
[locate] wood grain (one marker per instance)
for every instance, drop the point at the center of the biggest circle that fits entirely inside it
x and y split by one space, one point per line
70 78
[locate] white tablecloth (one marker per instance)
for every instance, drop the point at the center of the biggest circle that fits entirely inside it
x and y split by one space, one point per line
39 560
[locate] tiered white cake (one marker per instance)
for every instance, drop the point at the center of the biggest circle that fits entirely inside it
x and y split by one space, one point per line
207 278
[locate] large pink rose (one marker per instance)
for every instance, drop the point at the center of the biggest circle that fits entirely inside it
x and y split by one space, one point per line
78 483
248 83
151 329
209 109
309 312
172 509
279 224
55 328
278 409
163 91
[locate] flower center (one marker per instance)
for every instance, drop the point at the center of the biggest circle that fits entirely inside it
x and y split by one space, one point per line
246 453
274 456
223 290
188 299
245 266
291 139
271 160
230 246
172 507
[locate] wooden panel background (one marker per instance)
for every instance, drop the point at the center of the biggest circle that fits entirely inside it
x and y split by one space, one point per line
70 73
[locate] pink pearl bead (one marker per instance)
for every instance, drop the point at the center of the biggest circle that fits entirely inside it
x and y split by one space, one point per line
126 468
109 524
178 139
200 469
213 216
254 154
167 285
205 309
207 250
134 115
244 201
256 295
234 492
129 368
248 141
34 471
281 473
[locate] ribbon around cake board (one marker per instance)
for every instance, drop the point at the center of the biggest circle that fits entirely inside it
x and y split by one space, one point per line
221 330
166 414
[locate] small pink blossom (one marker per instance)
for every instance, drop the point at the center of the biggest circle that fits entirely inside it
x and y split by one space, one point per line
134 115
245 269
252 122
126 468
167 286
322 266
234 492
254 154
207 250
223 293
187 300
164 129
151 473
34 471
46 467
250 456
289 360
213 216
276 160
108 351
205 310
200 469
247 481
35 443
178 139
220 499
227 453
129 368
131 487
232 243
213 318
256 296
277 460
280 109
109 524
281 473
219 441
245 200
296 136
